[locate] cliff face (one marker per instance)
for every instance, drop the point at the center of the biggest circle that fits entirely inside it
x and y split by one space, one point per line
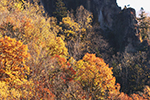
106 10
126 32
121 23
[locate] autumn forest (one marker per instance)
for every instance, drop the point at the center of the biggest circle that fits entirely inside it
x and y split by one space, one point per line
66 56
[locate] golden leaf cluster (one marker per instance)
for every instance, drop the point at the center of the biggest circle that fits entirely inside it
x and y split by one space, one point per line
13 69
93 73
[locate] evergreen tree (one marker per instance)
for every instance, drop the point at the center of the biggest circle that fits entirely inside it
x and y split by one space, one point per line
143 24
61 10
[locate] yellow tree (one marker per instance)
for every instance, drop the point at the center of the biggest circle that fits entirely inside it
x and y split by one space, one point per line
77 31
96 77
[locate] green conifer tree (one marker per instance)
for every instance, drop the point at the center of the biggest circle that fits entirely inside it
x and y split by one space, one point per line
61 10
143 24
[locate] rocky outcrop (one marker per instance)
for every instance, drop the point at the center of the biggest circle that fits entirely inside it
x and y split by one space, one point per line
122 24
106 9
125 30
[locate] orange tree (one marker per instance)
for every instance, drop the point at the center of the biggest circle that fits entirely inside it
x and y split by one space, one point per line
96 77
13 70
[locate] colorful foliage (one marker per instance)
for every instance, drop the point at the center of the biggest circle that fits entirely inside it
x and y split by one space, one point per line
76 28
33 28
34 60
13 69
56 81
60 74
76 31
29 26
133 96
13 55
95 76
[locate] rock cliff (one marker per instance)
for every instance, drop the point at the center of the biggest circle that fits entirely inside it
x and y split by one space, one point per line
125 30
122 24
